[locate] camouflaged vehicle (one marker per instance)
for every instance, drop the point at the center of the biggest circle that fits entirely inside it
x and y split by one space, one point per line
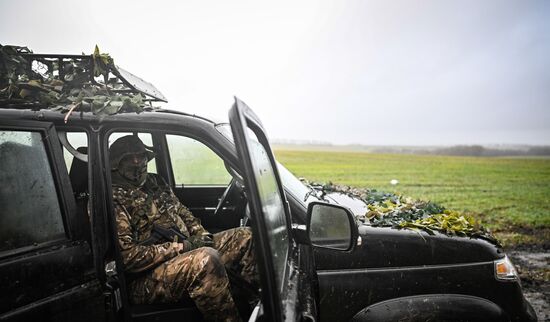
59 259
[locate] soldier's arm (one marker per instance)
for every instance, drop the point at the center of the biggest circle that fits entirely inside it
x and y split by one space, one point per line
192 223
137 257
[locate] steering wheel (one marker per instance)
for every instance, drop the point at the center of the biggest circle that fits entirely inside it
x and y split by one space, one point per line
233 185
237 182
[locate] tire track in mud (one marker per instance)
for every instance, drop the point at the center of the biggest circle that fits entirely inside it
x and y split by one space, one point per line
533 265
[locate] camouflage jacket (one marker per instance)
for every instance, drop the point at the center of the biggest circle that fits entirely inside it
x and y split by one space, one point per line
137 209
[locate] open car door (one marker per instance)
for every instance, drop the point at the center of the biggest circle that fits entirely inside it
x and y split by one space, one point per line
286 293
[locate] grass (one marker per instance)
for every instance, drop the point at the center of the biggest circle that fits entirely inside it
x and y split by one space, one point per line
506 194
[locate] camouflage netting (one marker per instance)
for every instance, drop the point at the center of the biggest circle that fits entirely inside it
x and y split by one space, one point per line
74 83
400 212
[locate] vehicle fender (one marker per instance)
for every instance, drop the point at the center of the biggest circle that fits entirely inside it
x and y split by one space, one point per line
433 307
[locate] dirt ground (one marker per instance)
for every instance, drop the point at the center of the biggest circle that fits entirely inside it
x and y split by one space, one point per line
533 265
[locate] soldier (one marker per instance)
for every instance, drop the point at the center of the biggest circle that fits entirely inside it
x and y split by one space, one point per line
167 271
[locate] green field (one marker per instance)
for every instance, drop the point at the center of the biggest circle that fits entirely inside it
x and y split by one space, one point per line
506 194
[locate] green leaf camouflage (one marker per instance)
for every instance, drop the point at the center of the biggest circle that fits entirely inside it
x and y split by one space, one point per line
387 209
66 83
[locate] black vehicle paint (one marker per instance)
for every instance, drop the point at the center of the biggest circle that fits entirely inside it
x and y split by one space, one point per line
392 264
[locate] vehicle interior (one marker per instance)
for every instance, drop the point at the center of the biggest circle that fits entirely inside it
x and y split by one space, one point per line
205 183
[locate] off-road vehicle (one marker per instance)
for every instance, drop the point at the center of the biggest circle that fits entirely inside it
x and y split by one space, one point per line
59 257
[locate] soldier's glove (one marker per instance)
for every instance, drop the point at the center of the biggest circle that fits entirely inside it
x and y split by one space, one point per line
208 236
195 242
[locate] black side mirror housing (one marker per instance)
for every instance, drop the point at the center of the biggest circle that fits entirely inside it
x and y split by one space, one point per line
331 226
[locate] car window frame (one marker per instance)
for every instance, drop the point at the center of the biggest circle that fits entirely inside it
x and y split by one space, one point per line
164 164
274 300
164 170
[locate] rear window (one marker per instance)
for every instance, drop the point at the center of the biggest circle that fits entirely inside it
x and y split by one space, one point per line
29 206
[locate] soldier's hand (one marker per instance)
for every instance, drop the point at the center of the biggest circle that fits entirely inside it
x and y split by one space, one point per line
187 246
180 248
209 238
201 241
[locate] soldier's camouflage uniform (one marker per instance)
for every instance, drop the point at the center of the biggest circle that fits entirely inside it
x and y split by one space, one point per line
160 273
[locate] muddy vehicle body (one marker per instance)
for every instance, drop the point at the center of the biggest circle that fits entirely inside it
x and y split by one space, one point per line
390 274
59 257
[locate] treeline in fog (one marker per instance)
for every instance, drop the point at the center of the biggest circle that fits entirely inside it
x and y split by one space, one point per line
469 150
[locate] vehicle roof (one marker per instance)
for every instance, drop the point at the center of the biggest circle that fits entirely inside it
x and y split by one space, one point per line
132 119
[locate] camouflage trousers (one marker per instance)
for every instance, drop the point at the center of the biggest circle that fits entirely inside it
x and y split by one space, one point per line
202 275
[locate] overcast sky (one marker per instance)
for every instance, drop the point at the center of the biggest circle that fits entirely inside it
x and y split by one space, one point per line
368 72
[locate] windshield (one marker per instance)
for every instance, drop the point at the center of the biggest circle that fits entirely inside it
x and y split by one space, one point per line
295 187
292 184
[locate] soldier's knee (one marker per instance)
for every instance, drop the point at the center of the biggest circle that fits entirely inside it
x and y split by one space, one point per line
243 233
208 260
245 237
246 231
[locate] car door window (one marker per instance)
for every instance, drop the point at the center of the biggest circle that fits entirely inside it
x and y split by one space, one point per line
29 205
194 163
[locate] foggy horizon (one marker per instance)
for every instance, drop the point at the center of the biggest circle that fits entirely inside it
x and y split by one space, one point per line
278 141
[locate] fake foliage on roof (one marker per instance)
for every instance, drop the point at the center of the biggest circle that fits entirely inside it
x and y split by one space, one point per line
67 83
400 212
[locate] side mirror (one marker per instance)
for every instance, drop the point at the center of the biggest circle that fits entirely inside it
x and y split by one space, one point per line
331 226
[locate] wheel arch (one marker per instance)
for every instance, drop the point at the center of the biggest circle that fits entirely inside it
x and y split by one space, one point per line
433 307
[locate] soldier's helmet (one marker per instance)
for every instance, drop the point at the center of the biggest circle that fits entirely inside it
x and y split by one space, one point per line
129 144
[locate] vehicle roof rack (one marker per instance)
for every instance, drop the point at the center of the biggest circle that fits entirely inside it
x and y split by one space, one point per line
67 83
118 81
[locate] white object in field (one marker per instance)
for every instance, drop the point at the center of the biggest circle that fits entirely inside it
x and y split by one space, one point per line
394 181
